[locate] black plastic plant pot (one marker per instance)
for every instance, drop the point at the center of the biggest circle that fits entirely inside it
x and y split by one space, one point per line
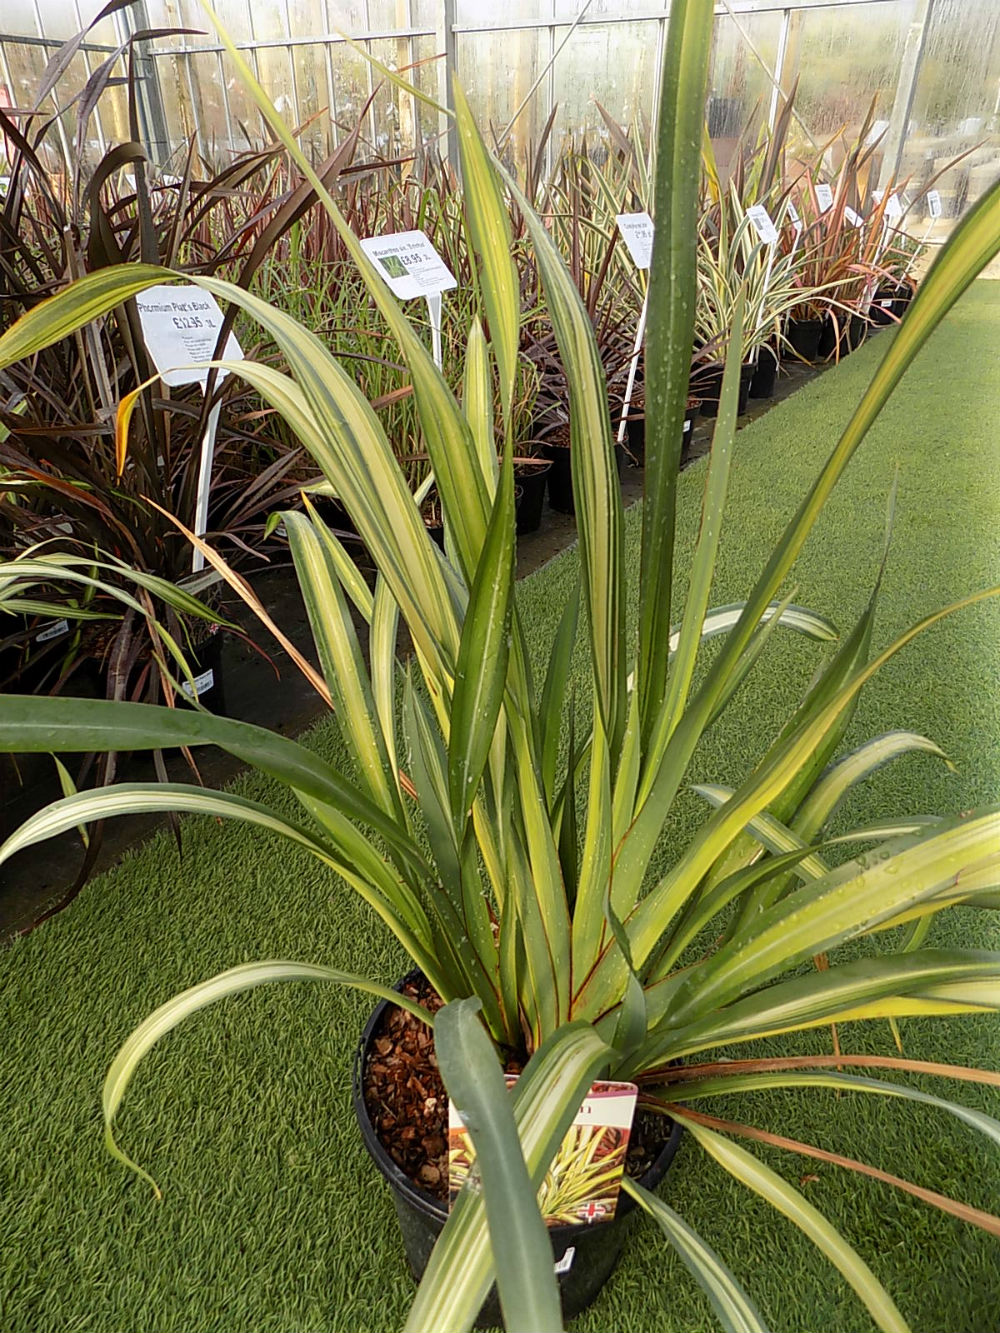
635 438
205 662
765 374
709 389
584 1256
883 307
687 429
857 332
531 481
804 337
560 479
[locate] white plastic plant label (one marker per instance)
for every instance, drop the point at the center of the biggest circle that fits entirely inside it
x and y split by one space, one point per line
824 196
762 223
854 218
875 133
893 208
793 216
409 264
202 684
564 1264
55 629
637 233
181 326
934 203
583 1182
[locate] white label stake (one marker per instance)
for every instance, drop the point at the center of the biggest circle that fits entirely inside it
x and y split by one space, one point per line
824 196
640 333
410 266
637 233
433 300
180 326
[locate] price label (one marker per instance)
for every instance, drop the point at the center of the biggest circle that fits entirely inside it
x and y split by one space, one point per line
824 196
202 684
855 218
893 208
594 1148
409 265
637 233
181 326
762 223
934 203
55 629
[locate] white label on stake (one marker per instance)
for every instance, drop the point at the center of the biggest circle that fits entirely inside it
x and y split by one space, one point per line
637 233
762 223
686 427
564 1264
886 305
934 203
181 326
876 132
202 684
853 217
409 264
55 629
893 208
793 214
824 196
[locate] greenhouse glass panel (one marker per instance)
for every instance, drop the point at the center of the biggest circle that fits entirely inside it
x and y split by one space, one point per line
613 64
498 71
744 60
843 58
956 109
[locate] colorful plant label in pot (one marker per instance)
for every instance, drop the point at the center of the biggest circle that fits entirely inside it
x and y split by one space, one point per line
585 1177
934 203
409 265
180 326
762 223
824 196
637 233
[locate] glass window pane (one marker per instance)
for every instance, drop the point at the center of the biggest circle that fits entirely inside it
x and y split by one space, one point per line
957 107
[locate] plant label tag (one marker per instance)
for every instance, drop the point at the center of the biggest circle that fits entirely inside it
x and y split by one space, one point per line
854 218
824 196
564 1264
762 223
55 629
202 684
180 326
409 265
793 214
637 233
893 208
584 1180
876 132
886 305
686 428
934 203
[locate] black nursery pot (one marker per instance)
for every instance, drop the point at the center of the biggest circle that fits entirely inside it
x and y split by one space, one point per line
708 386
588 1253
850 334
560 479
804 337
765 373
531 481
883 307
205 661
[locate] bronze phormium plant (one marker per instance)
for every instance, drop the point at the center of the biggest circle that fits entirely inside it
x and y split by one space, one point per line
458 823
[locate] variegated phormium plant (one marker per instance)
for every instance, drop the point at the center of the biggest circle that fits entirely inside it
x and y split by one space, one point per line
458 822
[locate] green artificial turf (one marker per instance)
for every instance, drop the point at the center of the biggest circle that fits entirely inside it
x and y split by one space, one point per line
273 1220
